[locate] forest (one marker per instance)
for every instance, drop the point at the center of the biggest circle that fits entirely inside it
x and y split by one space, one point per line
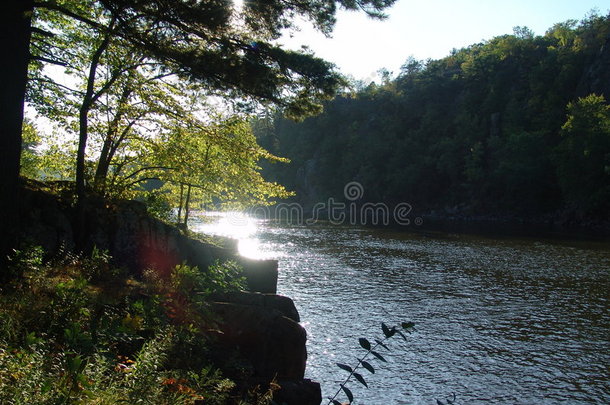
517 126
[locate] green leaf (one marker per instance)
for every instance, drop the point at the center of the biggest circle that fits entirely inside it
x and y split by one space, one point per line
81 378
31 339
74 364
368 366
360 379
387 331
365 344
46 387
349 394
407 325
379 356
345 367
380 343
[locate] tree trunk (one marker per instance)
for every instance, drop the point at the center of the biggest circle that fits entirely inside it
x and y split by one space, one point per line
186 207
79 226
180 204
15 33
103 164
83 133
82 148
112 141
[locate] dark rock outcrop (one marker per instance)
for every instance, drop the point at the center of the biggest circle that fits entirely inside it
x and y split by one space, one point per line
596 78
304 392
271 301
264 329
45 220
273 343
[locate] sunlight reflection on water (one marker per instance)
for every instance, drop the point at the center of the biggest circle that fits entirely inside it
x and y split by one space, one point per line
234 225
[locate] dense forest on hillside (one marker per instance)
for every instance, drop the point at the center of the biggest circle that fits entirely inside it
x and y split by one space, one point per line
518 125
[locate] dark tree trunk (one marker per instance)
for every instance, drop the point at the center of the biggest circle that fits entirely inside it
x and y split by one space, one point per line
186 206
89 99
15 32
79 226
103 165
111 142
181 201
82 147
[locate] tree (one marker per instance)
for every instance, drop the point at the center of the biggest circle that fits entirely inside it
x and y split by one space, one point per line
203 41
215 162
583 156
476 132
15 32
141 123
197 163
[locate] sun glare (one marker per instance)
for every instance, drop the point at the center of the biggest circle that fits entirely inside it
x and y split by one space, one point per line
236 226
230 224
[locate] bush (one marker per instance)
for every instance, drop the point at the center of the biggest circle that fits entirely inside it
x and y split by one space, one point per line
76 330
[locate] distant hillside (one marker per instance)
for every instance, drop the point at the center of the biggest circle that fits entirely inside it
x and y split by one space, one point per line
518 125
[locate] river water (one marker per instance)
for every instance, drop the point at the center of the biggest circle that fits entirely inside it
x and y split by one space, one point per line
498 320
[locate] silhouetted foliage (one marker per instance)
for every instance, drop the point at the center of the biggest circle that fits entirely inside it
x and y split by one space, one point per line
370 350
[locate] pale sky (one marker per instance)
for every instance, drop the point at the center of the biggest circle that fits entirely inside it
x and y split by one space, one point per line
431 29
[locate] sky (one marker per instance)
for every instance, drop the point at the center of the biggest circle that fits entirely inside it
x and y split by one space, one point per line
426 29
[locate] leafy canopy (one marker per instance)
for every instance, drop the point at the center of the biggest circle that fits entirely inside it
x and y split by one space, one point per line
227 48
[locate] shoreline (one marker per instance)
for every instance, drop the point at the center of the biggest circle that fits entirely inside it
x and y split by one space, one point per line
547 226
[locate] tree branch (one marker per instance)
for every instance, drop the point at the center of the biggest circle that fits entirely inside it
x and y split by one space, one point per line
51 61
51 5
42 32
47 80
140 180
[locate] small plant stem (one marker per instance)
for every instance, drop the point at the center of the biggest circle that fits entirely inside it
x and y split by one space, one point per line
356 368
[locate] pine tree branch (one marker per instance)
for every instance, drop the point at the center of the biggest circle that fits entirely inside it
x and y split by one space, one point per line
51 61
51 5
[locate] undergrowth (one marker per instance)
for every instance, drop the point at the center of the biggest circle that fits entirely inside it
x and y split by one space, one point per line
75 330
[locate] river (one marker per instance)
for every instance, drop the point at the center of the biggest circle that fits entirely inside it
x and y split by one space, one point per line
498 320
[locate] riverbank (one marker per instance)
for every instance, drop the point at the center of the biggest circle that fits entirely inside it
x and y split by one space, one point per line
552 226
563 224
143 292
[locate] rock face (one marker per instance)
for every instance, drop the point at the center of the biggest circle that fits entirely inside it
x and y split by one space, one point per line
133 238
273 343
45 220
264 328
596 79
272 302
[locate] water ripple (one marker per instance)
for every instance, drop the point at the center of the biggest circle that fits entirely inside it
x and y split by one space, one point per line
498 320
